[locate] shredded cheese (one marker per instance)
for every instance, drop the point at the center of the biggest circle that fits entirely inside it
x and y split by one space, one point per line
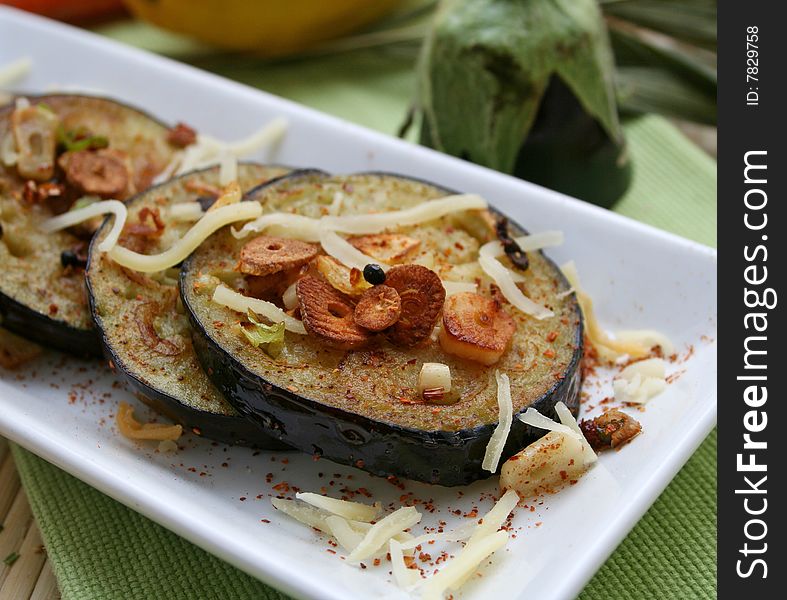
202 229
373 223
336 206
345 252
339 528
455 572
405 578
382 531
131 428
15 70
497 442
567 419
504 280
242 304
207 150
535 419
530 243
303 513
186 211
457 287
294 226
228 169
494 519
343 508
640 381
634 345
424 212
72 217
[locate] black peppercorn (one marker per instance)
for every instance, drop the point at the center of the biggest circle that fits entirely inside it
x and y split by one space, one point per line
374 274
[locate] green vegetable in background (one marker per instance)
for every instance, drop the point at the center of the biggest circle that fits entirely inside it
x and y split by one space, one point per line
485 70
488 63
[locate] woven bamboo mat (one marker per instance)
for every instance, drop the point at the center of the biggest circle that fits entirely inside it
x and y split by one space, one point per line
29 576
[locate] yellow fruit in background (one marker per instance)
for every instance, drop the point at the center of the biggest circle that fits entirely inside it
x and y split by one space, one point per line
267 26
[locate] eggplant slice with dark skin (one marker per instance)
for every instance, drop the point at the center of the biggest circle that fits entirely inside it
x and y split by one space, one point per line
42 290
360 407
144 330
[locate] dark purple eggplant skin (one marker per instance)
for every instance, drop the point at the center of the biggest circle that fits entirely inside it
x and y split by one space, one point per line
34 325
232 430
437 457
48 332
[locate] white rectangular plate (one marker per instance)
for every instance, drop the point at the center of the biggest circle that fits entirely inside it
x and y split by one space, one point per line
640 277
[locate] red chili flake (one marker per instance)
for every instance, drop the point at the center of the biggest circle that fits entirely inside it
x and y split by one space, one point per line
563 475
282 487
549 353
242 498
264 520
377 562
359 463
552 336
363 566
331 551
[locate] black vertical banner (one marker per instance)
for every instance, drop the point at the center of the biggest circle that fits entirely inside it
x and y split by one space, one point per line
752 170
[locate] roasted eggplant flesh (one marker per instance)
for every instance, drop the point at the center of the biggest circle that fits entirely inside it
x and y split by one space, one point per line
143 327
55 153
360 406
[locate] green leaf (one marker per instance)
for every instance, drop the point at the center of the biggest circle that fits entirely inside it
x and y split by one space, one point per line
486 65
269 337
693 21
661 79
80 139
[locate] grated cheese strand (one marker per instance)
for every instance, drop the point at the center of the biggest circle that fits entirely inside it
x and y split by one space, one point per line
568 420
303 513
503 278
455 572
186 211
242 304
535 419
497 442
384 530
202 229
343 508
426 211
72 217
345 252
405 578
339 528
497 515
610 349
530 243
367 224
458 287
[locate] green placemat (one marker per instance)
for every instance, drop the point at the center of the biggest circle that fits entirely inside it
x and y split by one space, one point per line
101 550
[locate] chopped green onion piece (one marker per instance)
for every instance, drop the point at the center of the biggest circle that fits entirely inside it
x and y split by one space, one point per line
11 558
269 337
80 139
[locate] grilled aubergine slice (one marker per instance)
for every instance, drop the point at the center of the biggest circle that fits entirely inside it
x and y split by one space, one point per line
61 151
143 328
359 406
